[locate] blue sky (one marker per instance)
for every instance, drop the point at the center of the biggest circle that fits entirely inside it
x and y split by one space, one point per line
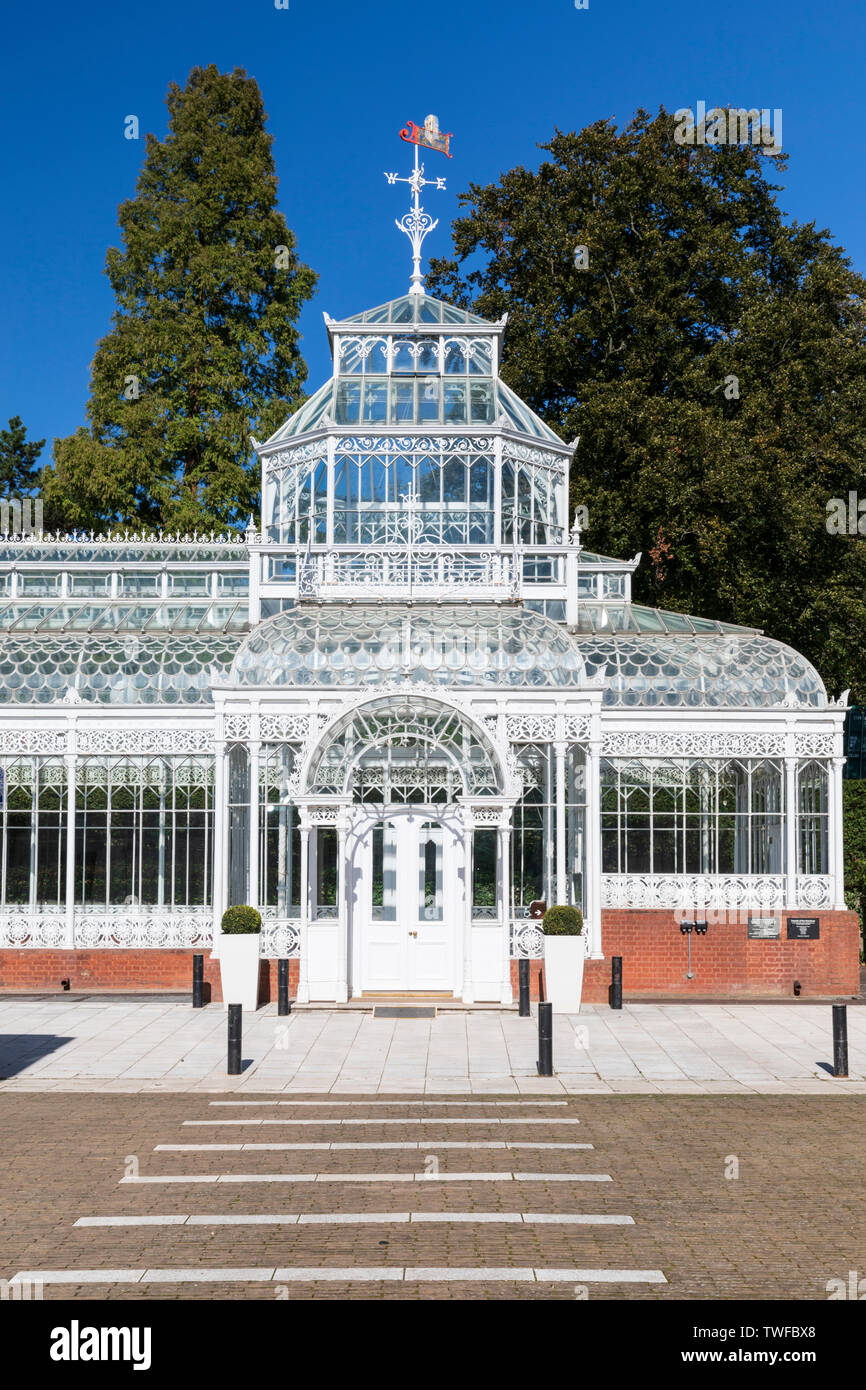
339 80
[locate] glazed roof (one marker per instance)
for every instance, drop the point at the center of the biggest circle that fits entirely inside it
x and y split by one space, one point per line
417 309
488 645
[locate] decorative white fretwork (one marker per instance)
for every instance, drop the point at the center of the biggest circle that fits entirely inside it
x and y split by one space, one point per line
27 928
530 728
527 941
814 890
671 891
398 571
280 939
121 928
815 745
32 740
290 728
692 745
424 713
236 726
577 727
145 741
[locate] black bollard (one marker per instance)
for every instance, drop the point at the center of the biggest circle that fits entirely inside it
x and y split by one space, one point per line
840 1039
197 981
235 1031
283 1005
545 1040
523 988
616 983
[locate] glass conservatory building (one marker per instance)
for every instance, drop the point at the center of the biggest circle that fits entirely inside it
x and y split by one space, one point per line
400 716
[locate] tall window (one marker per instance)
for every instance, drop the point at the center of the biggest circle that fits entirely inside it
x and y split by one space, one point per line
239 822
33 825
279 832
533 828
453 497
144 831
324 871
575 826
812 805
529 509
668 817
485 855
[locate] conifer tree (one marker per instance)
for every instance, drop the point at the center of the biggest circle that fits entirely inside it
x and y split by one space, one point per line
204 345
18 472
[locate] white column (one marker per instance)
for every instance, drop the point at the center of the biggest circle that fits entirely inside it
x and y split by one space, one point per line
342 913
791 815
253 878
303 981
70 761
468 992
497 491
561 866
329 522
255 561
836 846
220 837
572 570
504 834
593 848
548 890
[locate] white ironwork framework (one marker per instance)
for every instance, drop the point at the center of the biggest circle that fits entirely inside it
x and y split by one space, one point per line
412 691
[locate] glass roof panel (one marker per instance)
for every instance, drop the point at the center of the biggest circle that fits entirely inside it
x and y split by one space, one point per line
593 616
125 617
310 413
144 670
519 413
508 647
416 308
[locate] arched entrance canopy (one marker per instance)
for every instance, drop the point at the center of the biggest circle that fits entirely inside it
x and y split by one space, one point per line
405 741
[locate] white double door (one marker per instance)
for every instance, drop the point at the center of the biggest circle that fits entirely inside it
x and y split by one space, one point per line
409 904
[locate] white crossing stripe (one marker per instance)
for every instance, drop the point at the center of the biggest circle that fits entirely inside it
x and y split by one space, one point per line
371 1177
364 1219
407 1120
469 1102
329 1273
413 1144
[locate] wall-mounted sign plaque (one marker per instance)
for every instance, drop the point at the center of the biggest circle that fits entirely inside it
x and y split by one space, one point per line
764 928
804 928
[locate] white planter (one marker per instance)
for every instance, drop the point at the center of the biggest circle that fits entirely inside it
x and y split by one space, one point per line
239 969
563 972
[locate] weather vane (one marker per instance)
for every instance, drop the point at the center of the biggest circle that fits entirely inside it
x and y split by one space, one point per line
417 223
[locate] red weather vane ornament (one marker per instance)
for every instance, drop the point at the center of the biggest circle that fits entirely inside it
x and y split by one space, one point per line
429 135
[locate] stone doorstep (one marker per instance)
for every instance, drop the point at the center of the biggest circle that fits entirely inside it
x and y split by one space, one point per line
405 1002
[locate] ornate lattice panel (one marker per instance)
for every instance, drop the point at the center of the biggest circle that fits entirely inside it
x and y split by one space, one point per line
527 941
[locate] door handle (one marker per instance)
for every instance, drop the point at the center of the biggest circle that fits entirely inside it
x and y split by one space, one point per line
413 933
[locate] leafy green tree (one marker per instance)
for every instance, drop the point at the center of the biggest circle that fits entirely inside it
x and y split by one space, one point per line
854 823
204 345
18 472
712 359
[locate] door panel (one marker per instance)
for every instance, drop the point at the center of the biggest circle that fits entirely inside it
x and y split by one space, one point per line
410 910
384 964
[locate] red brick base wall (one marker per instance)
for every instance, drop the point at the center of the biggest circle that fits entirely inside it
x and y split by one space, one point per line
107 971
725 962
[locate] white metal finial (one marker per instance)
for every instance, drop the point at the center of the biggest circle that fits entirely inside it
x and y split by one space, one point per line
417 223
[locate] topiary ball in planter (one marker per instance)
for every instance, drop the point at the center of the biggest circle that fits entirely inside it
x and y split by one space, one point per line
241 921
562 921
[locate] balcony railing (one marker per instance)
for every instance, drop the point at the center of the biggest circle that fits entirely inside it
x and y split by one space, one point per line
394 572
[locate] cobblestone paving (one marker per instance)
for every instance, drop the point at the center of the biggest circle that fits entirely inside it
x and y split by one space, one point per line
793 1219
